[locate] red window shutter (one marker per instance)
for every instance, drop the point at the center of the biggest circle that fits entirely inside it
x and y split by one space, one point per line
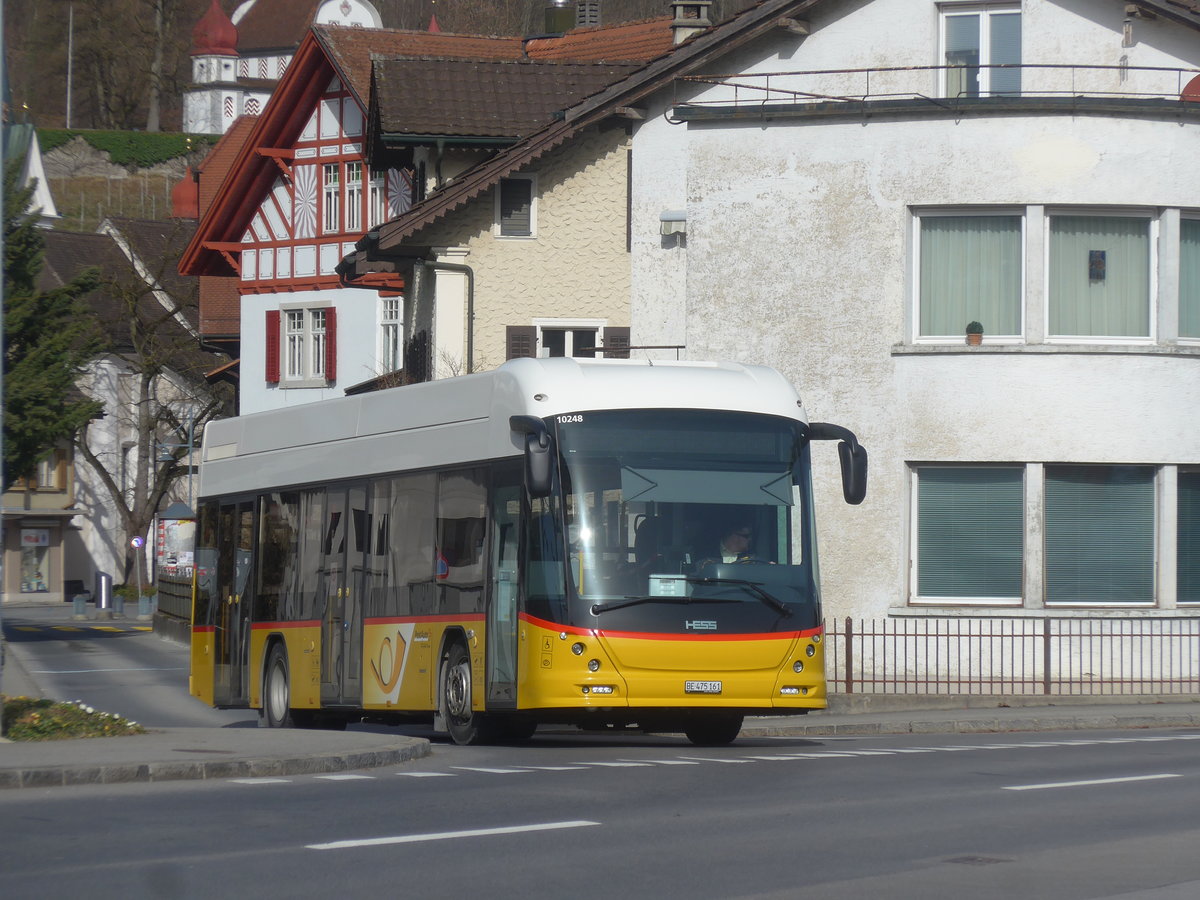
330 344
272 346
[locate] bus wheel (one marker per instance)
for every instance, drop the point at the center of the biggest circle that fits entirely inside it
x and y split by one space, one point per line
277 694
715 730
462 723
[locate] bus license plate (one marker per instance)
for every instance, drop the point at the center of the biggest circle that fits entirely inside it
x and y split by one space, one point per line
702 687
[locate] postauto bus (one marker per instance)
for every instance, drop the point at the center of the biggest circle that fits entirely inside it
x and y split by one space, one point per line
548 542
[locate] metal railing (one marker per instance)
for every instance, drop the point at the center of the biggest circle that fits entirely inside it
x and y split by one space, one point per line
1050 656
175 596
935 84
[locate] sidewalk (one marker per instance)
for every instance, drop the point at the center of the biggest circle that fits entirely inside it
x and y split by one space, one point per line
246 752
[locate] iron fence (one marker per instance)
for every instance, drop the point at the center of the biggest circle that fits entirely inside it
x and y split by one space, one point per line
1052 656
175 596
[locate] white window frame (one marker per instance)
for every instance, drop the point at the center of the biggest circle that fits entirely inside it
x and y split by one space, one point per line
302 346
1189 340
497 227
391 336
331 190
569 326
354 196
1153 218
920 213
377 198
986 11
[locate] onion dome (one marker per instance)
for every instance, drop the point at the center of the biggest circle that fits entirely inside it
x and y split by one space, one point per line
214 34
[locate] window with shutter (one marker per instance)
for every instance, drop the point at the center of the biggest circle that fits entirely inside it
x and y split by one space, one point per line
616 342
273 346
515 213
520 341
330 344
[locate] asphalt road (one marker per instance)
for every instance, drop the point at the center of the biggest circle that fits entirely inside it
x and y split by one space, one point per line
1064 816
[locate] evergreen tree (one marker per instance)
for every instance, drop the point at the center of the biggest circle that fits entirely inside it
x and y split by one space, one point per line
48 339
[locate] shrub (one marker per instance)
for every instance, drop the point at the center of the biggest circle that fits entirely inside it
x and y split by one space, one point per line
31 719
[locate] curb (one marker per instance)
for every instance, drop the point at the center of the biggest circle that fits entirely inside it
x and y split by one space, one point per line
199 770
977 725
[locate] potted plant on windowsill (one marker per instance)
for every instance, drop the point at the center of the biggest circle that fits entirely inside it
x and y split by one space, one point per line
974 334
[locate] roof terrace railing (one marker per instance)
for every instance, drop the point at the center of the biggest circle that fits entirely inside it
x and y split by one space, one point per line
939 85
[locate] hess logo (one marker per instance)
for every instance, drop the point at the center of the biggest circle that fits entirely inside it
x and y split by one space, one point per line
700 624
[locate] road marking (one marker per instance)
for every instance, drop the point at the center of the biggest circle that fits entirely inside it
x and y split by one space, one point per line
489 771
715 759
261 780
555 768
427 774
617 765
345 777
1094 781
669 762
449 835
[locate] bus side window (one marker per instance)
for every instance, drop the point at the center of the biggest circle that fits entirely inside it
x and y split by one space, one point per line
545 588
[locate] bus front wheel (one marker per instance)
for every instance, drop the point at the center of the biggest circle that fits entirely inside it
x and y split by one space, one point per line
277 695
714 731
464 725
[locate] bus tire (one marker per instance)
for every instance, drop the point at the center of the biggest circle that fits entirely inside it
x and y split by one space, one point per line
465 726
277 694
715 730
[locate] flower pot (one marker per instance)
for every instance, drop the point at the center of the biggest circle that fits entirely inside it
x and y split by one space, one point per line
974 340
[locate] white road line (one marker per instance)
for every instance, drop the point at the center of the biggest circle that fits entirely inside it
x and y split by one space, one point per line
345 777
427 774
488 771
555 768
448 835
1066 784
772 758
715 759
669 762
618 765
261 780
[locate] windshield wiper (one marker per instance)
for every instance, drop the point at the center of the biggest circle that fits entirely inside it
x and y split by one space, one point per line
774 602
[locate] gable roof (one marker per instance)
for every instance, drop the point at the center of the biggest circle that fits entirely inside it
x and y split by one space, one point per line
629 41
688 56
479 98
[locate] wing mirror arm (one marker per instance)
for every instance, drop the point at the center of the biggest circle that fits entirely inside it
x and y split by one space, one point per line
852 454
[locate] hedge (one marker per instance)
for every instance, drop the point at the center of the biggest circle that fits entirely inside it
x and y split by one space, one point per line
134 149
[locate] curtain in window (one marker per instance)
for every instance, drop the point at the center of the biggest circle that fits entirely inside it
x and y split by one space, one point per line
1188 538
962 49
1005 49
971 270
1099 534
1099 276
970 532
1189 278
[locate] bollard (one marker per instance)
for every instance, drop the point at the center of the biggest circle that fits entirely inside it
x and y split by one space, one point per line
79 606
144 610
118 604
103 595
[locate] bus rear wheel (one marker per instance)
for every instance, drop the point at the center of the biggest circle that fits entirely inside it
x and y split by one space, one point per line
277 694
465 726
715 730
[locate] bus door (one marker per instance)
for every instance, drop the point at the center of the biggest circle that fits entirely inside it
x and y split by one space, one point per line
235 541
504 588
343 543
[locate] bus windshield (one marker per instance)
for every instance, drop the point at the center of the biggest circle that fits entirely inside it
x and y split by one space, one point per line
665 508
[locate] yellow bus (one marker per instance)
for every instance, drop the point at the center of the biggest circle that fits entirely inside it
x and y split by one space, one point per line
609 544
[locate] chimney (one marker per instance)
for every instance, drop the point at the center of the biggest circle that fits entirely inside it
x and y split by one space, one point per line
587 12
691 17
560 16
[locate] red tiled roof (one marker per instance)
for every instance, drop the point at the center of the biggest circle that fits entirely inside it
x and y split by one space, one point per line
216 165
220 306
275 25
633 41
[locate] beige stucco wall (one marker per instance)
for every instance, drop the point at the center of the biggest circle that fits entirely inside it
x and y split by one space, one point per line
576 266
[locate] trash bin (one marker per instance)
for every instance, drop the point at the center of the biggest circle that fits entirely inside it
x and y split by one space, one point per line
103 595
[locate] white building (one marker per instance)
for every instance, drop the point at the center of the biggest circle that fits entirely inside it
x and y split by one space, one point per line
856 193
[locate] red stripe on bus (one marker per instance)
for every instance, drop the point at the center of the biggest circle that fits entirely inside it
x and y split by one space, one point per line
397 620
262 626
666 636
203 629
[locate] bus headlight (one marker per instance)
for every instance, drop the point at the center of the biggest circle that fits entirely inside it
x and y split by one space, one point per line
577 648
593 665
798 666
816 639
789 690
810 650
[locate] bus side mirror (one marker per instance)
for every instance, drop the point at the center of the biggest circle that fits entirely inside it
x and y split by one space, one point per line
539 458
852 454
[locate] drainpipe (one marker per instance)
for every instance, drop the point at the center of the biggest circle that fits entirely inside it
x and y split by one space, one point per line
470 273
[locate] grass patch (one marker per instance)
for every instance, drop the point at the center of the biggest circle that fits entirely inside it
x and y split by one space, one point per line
30 719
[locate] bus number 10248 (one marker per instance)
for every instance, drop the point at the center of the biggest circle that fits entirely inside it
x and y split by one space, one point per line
567 420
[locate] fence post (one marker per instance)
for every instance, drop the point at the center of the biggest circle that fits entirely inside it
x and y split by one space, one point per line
1045 656
849 637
